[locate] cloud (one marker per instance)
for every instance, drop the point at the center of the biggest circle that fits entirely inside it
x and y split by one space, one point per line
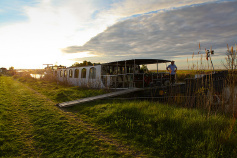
131 7
48 26
39 29
167 34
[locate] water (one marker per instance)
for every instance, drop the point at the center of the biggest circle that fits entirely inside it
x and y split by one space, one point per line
37 76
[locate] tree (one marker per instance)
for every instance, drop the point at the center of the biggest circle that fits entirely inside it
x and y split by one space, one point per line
144 68
11 71
84 63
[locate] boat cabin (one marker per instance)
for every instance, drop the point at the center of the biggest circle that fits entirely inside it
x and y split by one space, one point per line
119 74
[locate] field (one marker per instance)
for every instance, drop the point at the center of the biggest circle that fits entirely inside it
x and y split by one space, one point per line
32 126
182 74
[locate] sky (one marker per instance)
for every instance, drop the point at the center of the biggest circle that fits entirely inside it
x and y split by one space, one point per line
37 32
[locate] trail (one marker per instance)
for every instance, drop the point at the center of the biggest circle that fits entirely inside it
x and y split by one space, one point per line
19 123
93 131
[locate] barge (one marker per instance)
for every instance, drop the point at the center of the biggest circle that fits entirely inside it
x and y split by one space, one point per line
125 74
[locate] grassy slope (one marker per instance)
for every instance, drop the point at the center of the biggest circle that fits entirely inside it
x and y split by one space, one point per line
165 131
31 126
156 129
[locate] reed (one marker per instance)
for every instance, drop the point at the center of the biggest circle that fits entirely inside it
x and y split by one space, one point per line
208 91
231 66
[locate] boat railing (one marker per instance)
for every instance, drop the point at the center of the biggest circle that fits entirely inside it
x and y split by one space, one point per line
131 80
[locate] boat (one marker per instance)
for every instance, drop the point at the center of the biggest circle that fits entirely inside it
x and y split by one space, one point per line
124 74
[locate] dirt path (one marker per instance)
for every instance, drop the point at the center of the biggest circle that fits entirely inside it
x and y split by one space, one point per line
92 130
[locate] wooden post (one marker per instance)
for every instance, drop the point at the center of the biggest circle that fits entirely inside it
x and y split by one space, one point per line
157 68
125 73
117 73
117 67
133 73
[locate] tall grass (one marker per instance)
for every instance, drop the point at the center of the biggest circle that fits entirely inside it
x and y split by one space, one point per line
231 66
214 94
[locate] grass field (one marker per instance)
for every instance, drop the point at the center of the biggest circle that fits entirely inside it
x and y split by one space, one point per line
32 126
182 74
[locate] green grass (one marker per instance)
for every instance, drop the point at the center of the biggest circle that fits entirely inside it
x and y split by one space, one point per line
59 92
31 126
158 130
163 130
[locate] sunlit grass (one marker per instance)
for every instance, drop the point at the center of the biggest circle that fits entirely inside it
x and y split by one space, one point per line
159 130
31 126
164 131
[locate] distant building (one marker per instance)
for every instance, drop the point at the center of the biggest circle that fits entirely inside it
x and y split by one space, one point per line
3 70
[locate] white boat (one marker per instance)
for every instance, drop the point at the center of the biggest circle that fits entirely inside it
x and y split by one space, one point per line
119 74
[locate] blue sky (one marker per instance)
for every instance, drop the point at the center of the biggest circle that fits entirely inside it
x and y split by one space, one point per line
37 32
11 11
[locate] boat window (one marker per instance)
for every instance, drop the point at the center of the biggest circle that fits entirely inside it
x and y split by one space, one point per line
76 74
122 70
130 69
119 70
83 73
104 70
65 73
70 73
92 74
115 70
61 73
111 70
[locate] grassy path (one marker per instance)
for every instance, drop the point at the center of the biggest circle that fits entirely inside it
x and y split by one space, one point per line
16 129
31 126
94 131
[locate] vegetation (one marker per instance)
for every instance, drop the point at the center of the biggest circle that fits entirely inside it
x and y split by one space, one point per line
31 126
231 65
59 92
144 69
165 131
84 63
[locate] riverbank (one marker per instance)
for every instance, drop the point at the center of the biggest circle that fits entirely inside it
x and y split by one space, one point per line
32 126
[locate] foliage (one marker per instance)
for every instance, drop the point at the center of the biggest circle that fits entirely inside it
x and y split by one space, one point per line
231 59
231 66
144 68
84 63
11 68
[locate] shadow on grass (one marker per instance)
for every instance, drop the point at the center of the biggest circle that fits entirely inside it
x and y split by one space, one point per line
162 130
